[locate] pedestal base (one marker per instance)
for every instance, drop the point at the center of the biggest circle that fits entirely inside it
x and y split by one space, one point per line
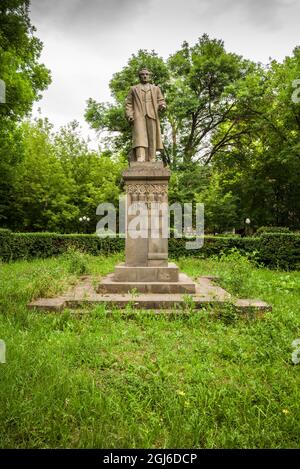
151 279
169 273
208 295
146 186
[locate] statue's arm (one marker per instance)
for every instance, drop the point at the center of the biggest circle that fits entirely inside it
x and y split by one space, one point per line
129 106
160 99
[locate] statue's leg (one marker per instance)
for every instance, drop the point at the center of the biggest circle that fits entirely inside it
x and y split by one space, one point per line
140 153
151 131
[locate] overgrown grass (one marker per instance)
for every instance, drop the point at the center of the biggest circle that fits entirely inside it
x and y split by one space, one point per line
98 380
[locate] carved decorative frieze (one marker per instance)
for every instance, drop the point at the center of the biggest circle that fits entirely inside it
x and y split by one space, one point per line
147 192
147 189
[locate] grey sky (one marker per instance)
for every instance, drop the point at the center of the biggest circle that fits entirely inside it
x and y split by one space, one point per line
86 41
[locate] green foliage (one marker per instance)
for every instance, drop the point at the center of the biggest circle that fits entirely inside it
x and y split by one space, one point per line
220 208
41 196
24 79
42 245
262 166
281 250
272 250
58 180
194 82
199 99
272 229
77 261
213 246
20 52
238 272
187 181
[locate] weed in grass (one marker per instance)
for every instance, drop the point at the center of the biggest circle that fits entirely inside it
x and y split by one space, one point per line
233 270
188 303
226 313
77 261
134 292
238 274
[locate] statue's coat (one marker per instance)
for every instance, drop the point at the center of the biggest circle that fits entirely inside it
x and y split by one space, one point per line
135 108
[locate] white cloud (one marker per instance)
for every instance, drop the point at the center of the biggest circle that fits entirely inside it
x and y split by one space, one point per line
86 41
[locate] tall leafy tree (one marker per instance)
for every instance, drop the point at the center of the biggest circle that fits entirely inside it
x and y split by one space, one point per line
96 175
24 77
59 180
42 192
194 81
201 100
263 165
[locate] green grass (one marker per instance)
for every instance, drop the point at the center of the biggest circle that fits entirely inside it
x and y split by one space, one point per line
113 381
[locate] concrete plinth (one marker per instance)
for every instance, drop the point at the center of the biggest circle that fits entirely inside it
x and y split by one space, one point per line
146 268
208 295
183 285
124 273
146 186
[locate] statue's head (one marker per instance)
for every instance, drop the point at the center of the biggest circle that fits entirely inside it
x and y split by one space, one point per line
144 75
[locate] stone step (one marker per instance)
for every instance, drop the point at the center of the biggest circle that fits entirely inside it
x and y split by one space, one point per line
169 273
160 302
110 285
208 294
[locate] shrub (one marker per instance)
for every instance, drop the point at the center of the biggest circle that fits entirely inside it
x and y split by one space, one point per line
272 229
213 245
42 245
237 272
5 244
271 249
281 250
77 262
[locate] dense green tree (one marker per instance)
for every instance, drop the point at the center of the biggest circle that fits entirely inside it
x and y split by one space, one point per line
220 211
97 176
194 81
24 78
200 100
20 52
59 180
42 193
262 167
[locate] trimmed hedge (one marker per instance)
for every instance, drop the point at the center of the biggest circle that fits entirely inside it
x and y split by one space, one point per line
213 245
280 250
273 250
272 230
15 246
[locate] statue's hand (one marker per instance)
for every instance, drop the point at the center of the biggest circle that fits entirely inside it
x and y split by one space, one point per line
162 107
130 119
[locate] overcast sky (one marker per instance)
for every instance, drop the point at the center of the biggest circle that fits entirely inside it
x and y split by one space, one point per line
86 41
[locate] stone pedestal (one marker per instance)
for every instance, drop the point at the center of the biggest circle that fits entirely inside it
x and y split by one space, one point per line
146 267
146 186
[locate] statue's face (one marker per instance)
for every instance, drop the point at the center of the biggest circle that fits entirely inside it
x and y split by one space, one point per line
144 76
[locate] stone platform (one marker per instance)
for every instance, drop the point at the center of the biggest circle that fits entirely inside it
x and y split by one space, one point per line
207 294
147 279
183 285
169 273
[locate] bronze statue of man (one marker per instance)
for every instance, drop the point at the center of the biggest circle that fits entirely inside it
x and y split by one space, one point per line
143 103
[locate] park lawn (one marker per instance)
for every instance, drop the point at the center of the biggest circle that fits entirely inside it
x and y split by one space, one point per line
197 380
